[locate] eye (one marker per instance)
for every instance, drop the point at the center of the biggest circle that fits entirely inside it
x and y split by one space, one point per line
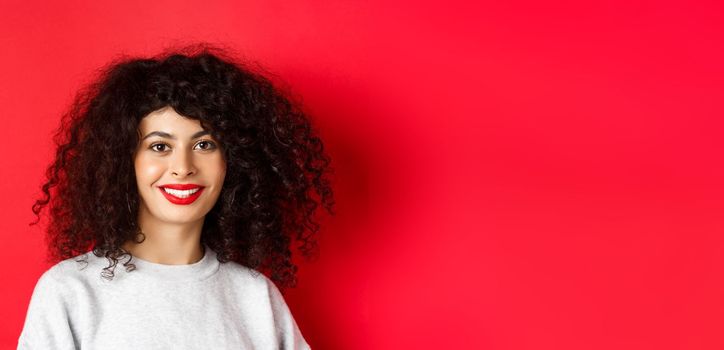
153 146
209 145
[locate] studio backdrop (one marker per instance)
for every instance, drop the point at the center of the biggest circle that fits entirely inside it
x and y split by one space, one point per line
508 175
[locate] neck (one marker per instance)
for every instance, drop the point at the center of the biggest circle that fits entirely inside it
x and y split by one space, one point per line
167 243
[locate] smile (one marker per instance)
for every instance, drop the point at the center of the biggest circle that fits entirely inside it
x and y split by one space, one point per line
179 193
181 197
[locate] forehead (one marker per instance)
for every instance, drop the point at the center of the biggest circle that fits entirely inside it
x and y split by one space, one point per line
166 119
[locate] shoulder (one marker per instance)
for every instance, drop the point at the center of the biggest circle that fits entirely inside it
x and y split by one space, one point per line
56 288
79 272
80 266
247 275
51 311
265 304
65 270
250 279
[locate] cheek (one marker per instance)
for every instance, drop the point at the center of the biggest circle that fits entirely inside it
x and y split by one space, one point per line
148 170
222 167
222 172
216 169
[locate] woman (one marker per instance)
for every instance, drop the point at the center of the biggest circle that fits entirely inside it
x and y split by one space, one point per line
195 173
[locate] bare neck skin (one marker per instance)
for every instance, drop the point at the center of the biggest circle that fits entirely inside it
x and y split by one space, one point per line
167 243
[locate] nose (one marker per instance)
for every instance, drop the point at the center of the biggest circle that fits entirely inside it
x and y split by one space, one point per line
182 164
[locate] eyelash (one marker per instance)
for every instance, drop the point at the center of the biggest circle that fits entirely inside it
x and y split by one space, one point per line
213 145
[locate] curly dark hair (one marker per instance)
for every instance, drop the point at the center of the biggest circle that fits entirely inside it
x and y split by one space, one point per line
276 164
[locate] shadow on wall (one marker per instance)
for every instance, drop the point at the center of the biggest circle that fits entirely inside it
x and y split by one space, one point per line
370 150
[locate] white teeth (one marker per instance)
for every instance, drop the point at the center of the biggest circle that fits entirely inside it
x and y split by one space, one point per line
180 193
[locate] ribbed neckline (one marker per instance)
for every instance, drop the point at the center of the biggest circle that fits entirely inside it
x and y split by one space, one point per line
202 269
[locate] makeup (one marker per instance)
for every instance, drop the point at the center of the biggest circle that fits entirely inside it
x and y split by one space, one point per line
181 194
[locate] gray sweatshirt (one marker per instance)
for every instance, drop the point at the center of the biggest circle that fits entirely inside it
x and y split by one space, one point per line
204 305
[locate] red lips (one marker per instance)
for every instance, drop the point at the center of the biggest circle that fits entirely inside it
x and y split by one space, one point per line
178 200
181 186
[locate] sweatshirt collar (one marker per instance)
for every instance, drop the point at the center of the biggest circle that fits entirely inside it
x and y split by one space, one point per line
199 270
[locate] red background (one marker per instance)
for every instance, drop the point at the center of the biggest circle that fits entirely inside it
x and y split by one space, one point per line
534 175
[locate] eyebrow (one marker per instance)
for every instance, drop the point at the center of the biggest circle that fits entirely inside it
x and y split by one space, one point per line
170 136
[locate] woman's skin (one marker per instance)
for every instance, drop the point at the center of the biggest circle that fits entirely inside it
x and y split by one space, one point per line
173 231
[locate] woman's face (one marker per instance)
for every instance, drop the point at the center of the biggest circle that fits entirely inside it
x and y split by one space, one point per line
176 152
